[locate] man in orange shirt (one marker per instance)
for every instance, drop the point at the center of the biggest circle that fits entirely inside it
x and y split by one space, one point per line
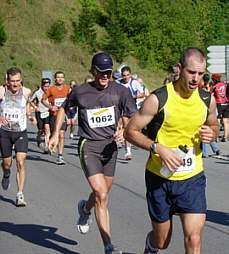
56 95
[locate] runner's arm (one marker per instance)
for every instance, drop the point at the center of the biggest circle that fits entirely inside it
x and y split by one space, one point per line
210 130
53 142
134 135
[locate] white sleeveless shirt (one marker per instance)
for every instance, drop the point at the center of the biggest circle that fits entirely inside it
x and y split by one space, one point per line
14 107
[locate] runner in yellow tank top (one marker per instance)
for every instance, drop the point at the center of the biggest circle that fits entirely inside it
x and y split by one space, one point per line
177 114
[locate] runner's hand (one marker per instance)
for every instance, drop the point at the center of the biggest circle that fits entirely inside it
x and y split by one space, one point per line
33 120
207 134
53 142
4 120
170 158
118 135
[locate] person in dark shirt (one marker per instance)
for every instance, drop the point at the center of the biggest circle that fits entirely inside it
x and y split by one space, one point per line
100 104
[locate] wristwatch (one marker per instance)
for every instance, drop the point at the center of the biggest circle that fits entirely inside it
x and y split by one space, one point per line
153 147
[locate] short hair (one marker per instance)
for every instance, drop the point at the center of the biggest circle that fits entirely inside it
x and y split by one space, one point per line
12 71
59 72
206 77
73 80
198 53
126 68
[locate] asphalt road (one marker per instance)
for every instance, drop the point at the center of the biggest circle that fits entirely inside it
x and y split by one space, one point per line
47 224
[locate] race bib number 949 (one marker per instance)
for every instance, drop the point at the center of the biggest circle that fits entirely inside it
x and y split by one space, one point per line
101 117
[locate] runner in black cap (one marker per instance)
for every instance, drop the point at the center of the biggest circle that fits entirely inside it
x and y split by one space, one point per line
100 104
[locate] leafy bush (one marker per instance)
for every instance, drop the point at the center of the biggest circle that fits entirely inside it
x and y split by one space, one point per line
57 31
3 36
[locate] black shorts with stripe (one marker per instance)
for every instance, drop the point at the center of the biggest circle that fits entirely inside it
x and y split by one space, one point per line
98 156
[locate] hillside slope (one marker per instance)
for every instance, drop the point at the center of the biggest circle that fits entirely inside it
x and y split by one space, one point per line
28 47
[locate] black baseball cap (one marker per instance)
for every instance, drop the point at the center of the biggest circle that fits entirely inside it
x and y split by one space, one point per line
102 62
45 80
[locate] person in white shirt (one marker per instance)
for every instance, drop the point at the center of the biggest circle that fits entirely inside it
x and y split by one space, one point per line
137 92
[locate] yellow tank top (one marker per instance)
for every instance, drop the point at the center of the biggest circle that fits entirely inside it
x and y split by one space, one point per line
177 124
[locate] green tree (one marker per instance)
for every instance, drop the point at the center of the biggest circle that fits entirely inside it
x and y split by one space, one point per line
3 36
84 31
57 32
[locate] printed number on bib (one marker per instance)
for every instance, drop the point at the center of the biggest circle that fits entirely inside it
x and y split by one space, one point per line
58 102
189 162
44 114
101 117
13 114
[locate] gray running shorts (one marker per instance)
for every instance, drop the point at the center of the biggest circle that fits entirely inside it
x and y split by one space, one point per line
98 156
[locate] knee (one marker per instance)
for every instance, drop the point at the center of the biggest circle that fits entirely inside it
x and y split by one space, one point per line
193 241
21 165
61 136
101 197
6 164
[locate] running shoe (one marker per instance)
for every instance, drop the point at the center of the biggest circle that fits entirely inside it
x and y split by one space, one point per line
39 141
60 160
224 139
128 156
84 219
71 136
6 181
109 249
46 150
147 251
217 152
20 200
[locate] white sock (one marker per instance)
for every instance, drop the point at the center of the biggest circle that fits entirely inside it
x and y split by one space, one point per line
128 149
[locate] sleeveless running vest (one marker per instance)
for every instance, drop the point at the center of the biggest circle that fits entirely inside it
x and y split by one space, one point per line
14 108
177 123
220 93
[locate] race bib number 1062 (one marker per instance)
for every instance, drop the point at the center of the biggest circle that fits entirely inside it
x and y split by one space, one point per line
101 117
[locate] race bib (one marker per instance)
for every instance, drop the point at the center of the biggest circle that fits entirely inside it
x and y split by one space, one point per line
189 162
44 114
58 102
13 114
101 117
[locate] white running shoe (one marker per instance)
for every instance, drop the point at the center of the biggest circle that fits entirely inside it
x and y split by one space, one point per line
20 200
128 156
84 220
71 136
6 181
60 160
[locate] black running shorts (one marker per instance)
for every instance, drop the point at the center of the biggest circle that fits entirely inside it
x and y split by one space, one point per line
9 138
52 121
41 121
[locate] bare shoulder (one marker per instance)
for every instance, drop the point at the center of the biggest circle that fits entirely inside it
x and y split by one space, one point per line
26 92
2 92
150 105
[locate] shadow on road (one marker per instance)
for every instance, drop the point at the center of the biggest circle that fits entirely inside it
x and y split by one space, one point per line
39 235
218 217
7 200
